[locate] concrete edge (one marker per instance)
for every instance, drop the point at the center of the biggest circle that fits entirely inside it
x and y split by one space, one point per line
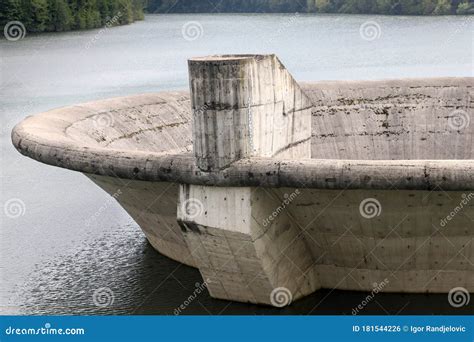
43 137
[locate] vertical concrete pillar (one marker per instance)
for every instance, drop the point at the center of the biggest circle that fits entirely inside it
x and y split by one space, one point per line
246 106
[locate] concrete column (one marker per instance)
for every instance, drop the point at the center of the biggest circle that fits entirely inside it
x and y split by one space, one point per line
246 106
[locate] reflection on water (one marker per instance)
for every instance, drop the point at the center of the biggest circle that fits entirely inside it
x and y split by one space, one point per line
135 279
52 262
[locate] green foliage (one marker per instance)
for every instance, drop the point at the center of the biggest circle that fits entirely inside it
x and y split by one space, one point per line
466 7
442 7
60 17
34 15
64 15
394 7
10 10
137 8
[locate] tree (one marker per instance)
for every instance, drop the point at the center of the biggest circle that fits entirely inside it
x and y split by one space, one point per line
137 8
10 10
465 8
428 6
126 11
34 15
60 17
442 7
384 7
322 5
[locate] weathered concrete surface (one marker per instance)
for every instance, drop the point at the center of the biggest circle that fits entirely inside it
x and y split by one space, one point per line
423 119
405 143
245 106
54 138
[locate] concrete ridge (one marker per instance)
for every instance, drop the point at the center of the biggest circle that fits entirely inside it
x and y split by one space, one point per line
44 137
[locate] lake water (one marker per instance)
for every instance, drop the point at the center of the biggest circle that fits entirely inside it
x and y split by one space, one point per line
51 262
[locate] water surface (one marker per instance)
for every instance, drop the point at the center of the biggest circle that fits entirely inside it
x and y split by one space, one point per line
51 261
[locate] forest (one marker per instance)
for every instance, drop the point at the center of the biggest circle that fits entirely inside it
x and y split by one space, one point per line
65 15
391 7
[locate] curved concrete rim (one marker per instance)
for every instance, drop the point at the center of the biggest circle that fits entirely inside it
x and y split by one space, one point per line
229 58
43 137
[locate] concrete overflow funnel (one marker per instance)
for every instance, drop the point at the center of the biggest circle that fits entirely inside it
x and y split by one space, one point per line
246 106
384 201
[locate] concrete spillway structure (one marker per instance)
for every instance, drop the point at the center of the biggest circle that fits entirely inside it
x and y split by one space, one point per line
265 184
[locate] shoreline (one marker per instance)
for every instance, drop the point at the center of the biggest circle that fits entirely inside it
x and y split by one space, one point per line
269 14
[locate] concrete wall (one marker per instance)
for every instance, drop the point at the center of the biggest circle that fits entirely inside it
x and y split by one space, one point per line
394 119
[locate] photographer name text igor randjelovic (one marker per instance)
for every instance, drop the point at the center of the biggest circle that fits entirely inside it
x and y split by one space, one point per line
438 329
